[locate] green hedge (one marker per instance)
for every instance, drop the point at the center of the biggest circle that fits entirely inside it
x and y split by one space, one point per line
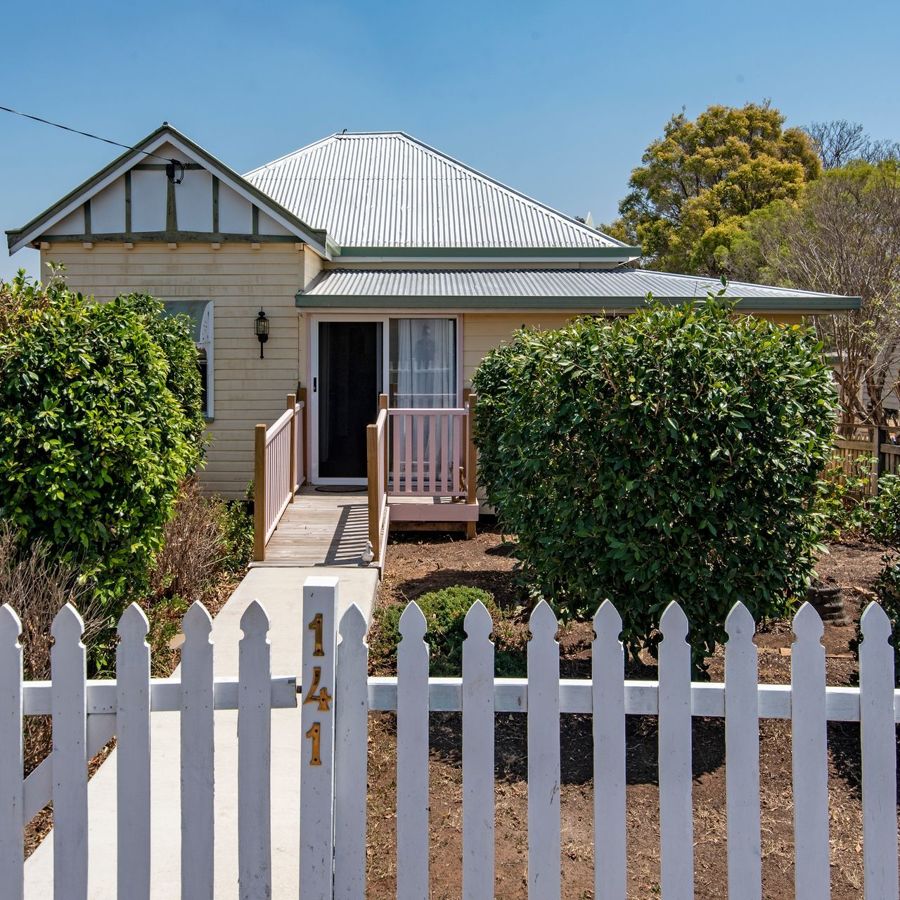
671 454
100 422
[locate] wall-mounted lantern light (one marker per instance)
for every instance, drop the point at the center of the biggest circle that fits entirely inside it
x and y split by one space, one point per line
262 330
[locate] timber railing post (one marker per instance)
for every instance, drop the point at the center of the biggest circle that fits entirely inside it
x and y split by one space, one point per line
471 461
292 463
304 449
259 495
372 464
320 604
383 405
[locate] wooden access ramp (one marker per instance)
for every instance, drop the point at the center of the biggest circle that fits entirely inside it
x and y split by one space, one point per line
321 527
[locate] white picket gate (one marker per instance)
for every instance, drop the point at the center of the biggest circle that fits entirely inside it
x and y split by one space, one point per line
336 699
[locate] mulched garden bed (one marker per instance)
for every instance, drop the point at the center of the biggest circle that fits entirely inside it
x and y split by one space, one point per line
419 563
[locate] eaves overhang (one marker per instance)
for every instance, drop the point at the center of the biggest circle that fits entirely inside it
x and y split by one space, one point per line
772 305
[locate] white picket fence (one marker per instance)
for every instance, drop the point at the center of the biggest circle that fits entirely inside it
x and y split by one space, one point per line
337 697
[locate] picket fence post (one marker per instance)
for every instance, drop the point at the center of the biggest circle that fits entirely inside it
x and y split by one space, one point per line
412 756
254 756
70 803
320 603
879 755
197 756
351 717
608 704
809 751
11 783
478 754
742 754
544 823
676 814
133 756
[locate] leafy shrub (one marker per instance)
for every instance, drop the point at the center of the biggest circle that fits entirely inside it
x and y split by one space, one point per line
445 611
884 511
842 501
887 592
99 424
237 529
672 454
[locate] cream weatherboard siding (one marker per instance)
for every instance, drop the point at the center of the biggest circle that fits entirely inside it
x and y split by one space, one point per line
247 390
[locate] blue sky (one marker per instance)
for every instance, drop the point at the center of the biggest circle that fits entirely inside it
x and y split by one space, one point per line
556 99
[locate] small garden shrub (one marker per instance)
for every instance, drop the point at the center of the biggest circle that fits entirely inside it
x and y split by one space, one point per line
237 528
445 612
887 592
100 423
884 511
842 501
671 454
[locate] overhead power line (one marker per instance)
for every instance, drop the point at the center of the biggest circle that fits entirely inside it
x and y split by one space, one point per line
176 163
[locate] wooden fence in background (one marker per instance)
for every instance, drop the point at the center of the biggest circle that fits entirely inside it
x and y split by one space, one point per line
338 695
862 450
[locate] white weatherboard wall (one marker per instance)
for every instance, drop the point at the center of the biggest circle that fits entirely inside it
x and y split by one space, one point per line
240 281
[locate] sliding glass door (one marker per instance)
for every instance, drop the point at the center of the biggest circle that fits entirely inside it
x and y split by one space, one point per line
423 363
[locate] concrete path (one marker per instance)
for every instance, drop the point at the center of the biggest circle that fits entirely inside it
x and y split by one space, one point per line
280 591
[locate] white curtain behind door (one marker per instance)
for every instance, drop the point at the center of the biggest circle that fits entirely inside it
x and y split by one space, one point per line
426 363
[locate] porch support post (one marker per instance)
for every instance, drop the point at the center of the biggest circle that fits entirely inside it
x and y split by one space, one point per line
291 405
259 495
304 437
471 461
374 498
383 404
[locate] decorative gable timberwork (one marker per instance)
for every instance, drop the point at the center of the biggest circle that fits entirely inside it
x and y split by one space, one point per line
166 189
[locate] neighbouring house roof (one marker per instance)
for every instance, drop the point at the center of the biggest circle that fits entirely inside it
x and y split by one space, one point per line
387 189
588 289
165 134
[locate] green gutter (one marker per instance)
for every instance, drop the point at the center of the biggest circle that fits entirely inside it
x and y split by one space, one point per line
773 304
489 252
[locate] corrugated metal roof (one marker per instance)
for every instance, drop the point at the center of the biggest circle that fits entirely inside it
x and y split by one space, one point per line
391 190
601 284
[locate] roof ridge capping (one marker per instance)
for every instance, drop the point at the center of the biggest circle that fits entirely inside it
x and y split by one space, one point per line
298 190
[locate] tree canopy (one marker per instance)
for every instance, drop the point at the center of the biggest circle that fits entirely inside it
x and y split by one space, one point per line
700 179
841 236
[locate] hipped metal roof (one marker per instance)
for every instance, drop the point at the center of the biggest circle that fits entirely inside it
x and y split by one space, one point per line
587 289
387 189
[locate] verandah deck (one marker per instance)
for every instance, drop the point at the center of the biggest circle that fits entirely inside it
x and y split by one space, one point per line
330 527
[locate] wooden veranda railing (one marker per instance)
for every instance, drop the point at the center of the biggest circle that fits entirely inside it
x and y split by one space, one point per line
377 480
861 448
278 470
416 454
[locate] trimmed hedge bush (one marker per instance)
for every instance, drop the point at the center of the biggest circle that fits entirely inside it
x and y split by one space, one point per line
670 454
100 422
445 612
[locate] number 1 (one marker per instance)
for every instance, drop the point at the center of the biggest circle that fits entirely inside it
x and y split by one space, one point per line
313 735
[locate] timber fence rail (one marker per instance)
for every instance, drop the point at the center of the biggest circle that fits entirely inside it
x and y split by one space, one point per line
337 697
867 450
278 469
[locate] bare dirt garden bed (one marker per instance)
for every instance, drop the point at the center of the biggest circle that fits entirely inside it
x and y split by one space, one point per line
420 563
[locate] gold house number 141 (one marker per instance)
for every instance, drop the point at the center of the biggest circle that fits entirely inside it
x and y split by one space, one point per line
317 694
